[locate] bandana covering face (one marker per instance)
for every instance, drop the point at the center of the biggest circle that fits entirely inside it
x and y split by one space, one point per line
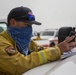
22 37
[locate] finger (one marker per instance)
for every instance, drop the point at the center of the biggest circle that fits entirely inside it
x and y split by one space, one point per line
68 39
72 44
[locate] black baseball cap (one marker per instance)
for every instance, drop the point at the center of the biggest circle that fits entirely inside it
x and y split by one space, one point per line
22 14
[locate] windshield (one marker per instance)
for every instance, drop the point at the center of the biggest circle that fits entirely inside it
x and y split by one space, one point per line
47 33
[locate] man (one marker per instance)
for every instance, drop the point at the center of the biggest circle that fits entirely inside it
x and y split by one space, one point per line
38 37
14 58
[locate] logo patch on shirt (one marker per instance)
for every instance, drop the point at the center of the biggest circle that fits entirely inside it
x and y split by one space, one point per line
10 51
53 51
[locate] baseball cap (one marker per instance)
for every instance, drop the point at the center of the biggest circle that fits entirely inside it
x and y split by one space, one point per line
23 14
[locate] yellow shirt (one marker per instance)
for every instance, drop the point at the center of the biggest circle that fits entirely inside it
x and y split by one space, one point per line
37 38
13 62
33 46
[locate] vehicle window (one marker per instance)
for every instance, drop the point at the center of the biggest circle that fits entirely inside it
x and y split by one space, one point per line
3 26
56 34
47 33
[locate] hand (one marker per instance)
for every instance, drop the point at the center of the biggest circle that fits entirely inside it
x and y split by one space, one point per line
66 45
40 48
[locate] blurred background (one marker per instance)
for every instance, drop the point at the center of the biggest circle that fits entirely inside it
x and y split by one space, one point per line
51 13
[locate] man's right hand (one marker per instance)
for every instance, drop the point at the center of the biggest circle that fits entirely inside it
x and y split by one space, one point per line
66 45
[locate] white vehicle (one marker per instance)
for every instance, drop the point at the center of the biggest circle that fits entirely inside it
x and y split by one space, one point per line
48 36
65 66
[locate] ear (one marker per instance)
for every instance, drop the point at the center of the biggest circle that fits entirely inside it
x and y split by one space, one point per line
12 22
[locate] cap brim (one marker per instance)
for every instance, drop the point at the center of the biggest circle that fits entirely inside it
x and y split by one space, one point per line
33 22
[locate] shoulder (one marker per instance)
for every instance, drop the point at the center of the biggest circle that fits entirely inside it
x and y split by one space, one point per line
5 38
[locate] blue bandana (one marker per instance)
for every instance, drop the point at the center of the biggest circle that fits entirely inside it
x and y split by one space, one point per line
21 36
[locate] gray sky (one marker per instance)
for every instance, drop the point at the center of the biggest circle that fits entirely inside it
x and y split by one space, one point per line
51 13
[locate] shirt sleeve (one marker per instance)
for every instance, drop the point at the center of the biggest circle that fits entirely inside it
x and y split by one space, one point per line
33 46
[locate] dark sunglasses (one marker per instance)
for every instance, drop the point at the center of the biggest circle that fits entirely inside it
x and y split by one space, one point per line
25 17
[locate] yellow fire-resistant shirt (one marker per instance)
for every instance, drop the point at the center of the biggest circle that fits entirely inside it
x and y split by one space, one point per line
13 62
37 38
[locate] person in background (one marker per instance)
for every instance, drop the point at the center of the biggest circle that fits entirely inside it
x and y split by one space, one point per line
38 37
14 44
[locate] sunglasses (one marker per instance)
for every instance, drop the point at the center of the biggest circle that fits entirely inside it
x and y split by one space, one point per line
25 17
